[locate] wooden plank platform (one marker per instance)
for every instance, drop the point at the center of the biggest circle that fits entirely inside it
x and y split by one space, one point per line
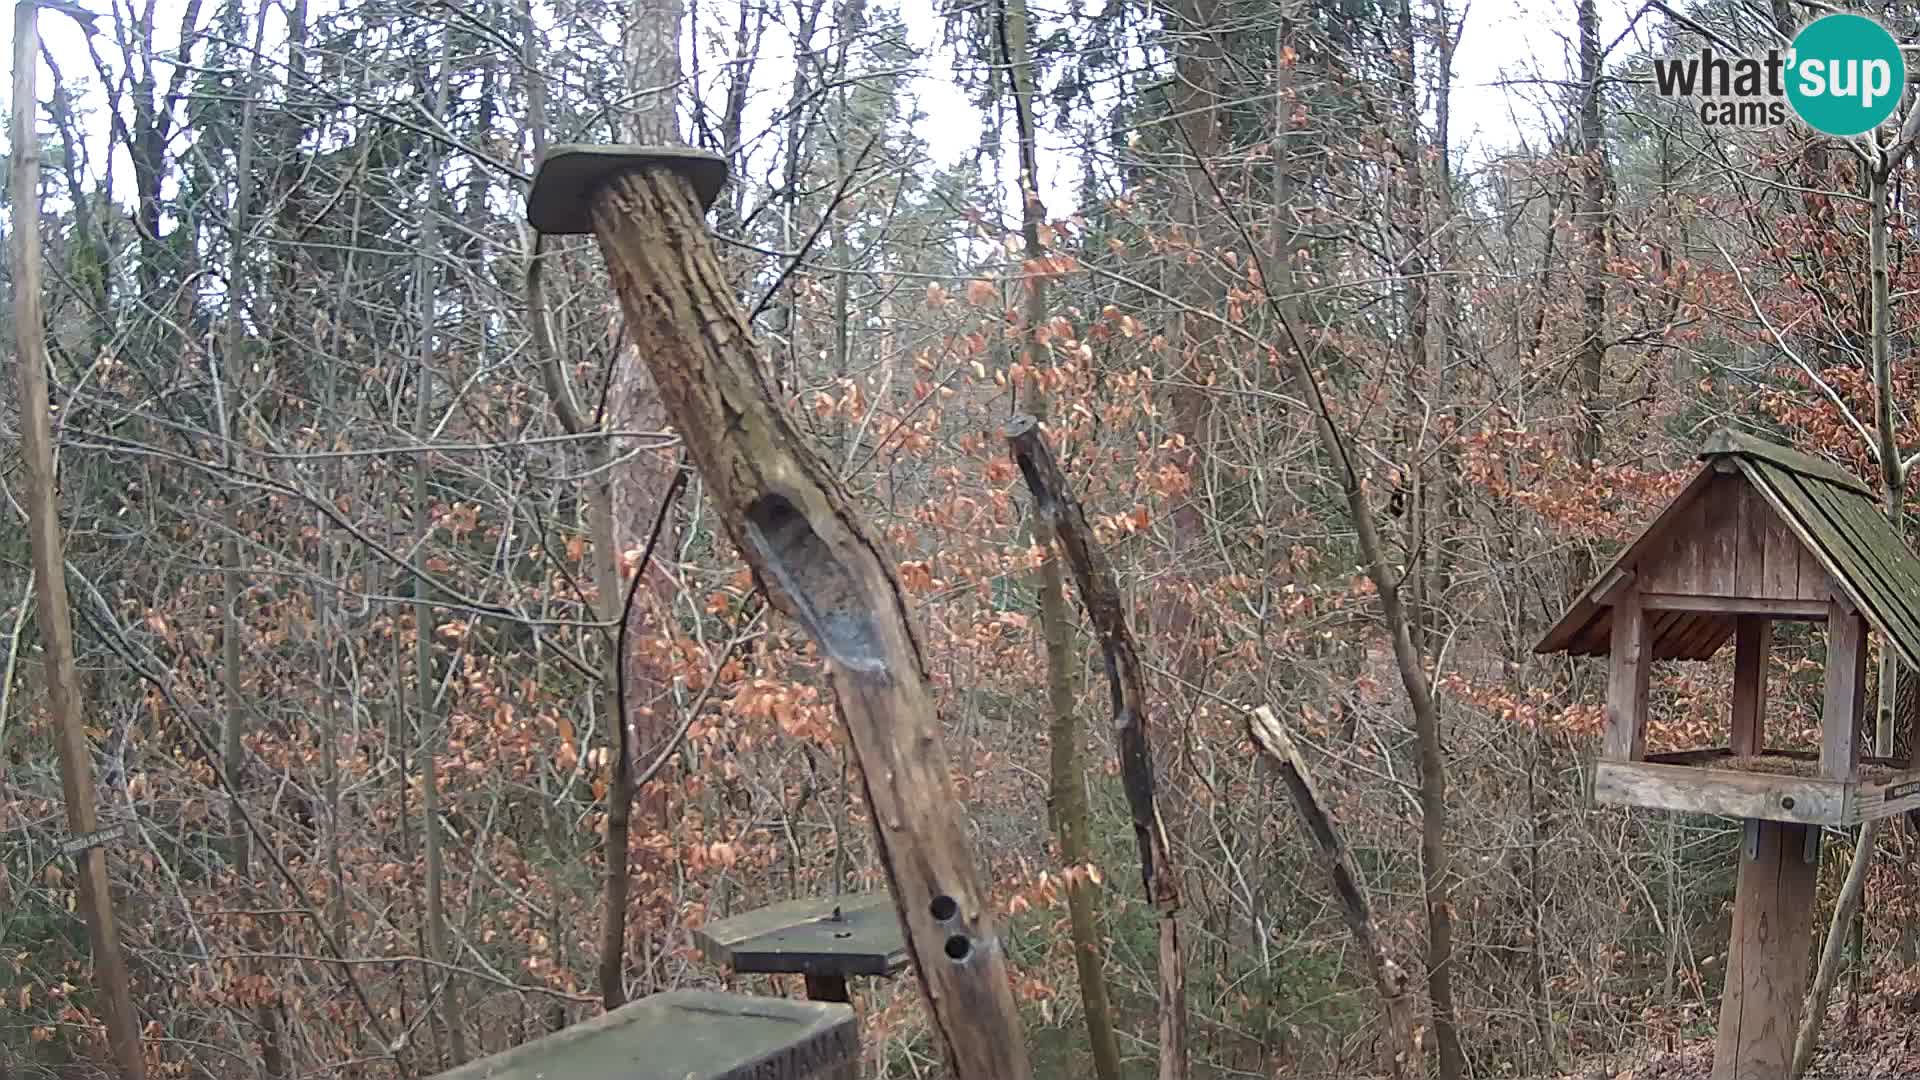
1689 781
688 1035
847 936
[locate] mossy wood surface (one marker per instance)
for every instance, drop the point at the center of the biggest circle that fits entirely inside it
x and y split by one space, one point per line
688 1035
847 935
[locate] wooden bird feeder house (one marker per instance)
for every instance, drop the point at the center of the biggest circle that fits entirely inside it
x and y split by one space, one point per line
1761 534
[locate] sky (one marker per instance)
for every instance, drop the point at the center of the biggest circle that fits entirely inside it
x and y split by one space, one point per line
1509 54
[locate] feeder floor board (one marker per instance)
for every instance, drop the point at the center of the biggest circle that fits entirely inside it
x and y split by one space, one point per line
804 937
688 1035
1773 786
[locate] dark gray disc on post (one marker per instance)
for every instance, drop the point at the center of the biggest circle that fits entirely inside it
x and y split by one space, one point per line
564 183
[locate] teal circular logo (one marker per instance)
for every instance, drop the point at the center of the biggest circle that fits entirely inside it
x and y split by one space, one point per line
1847 74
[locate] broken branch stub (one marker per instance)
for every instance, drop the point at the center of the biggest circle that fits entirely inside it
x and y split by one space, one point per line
1399 1050
820 565
1063 522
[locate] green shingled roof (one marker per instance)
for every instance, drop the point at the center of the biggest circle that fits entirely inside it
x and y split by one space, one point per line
1835 516
1840 521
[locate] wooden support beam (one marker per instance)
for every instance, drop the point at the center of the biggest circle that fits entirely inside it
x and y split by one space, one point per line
1807 610
1767 961
1752 640
1696 790
1846 691
818 562
1627 670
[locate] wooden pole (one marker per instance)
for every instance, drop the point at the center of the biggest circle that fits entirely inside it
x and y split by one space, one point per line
1752 640
1064 522
1627 671
817 561
1767 963
51 614
1762 1005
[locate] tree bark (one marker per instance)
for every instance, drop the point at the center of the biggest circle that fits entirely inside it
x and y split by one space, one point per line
1061 516
1066 792
626 496
52 616
1399 1052
1436 871
433 727
822 566
1593 288
1847 906
265 1013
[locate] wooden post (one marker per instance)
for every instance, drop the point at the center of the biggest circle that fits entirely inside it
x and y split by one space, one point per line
1627 671
1767 961
1774 900
51 615
1065 523
1752 641
1846 691
817 561
827 988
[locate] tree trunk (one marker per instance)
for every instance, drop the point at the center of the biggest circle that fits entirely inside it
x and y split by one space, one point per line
1593 287
1060 515
1436 870
52 616
627 495
266 1015
1066 793
1847 906
433 728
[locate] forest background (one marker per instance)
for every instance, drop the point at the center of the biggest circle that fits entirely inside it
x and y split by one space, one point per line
356 476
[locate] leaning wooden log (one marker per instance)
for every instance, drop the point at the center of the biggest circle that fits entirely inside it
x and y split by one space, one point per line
1399 1053
1063 522
817 561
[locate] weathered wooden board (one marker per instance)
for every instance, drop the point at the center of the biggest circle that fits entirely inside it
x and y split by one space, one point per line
1753 639
1795 609
1626 735
1897 796
1780 575
1846 691
1709 755
1750 540
688 1035
1719 541
1699 790
1896 575
1878 573
1726 441
1767 958
848 936
1679 564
